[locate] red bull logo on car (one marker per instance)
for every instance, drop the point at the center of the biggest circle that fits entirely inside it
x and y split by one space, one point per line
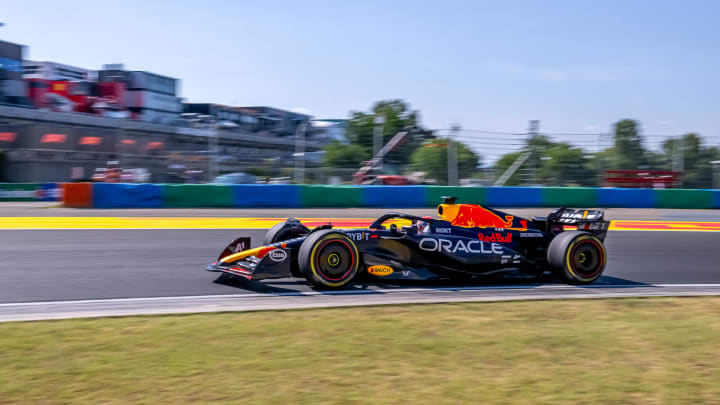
496 237
470 215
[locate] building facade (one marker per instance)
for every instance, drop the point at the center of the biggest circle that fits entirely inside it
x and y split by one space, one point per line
53 71
204 114
12 86
262 120
279 122
149 97
329 130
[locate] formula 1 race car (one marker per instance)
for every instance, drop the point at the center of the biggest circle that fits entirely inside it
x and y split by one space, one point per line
467 241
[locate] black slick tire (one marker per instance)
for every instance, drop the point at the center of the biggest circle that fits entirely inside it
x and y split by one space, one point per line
283 231
577 257
328 259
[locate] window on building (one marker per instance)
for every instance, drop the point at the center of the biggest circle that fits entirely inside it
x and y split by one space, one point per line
39 85
10 64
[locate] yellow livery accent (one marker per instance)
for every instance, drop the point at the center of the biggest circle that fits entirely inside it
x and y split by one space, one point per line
448 212
258 252
380 270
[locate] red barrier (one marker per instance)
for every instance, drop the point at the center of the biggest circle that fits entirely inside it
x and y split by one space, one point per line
77 195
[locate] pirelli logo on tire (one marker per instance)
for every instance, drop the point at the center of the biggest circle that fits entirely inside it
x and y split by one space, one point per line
380 270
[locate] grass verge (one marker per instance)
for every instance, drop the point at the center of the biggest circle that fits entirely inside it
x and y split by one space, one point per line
659 350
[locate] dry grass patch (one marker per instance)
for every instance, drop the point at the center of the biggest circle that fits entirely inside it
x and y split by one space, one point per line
660 350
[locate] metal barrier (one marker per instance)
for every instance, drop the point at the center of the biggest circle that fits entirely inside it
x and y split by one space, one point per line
308 196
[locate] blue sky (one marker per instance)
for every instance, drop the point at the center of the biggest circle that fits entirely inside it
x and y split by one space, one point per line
577 66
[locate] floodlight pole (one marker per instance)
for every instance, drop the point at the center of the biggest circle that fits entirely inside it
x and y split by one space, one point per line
378 139
452 158
300 133
213 146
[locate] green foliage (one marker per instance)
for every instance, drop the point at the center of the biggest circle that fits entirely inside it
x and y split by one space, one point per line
696 158
504 163
339 155
550 164
628 153
397 114
561 164
432 158
564 164
538 144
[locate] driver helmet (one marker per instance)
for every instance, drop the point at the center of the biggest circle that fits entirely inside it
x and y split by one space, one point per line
423 226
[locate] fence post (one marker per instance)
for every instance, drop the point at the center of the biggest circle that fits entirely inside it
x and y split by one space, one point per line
300 133
452 158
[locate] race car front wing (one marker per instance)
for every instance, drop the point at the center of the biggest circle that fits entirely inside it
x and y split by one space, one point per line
272 261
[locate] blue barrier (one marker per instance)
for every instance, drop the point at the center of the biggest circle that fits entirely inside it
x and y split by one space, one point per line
395 196
266 195
627 197
514 197
48 192
110 195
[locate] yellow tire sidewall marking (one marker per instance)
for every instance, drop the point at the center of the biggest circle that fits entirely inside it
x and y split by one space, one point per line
314 250
568 264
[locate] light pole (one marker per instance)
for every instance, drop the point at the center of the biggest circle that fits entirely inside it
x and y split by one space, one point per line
677 161
212 127
452 158
300 133
213 142
378 139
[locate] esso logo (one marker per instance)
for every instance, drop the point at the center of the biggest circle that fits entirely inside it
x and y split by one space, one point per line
278 255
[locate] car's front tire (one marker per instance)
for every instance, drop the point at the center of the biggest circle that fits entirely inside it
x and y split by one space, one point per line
284 231
328 259
577 257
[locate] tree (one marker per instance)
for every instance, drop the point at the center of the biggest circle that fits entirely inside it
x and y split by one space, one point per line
629 152
432 158
398 116
504 163
339 155
566 165
549 163
697 171
537 145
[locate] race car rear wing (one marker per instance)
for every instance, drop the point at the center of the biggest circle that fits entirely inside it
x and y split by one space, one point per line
572 216
592 221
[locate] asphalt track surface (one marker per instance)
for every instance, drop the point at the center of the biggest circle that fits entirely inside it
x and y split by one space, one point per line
68 273
52 265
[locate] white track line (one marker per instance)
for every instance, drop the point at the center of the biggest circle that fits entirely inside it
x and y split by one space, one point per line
530 287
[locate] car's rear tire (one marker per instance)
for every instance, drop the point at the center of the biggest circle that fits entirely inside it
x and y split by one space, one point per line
577 257
328 259
284 231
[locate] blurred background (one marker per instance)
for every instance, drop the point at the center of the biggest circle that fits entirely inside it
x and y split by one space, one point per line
471 94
